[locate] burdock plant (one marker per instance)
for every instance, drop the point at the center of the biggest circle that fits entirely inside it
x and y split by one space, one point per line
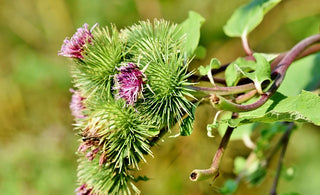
132 85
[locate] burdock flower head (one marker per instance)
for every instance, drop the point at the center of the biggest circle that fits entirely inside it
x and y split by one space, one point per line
129 83
76 104
73 47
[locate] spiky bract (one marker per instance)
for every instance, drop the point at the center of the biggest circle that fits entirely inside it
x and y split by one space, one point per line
93 74
124 141
118 134
159 47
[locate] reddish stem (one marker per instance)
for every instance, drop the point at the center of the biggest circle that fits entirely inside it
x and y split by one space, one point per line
246 46
278 73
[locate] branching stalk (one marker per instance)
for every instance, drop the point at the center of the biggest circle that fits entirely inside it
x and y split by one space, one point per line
278 75
224 90
213 171
243 98
284 142
205 78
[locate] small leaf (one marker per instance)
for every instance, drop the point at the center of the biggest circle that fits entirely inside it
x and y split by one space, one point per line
232 73
215 63
206 70
200 52
261 73
203 70
247 17
302 108
221 128
191 27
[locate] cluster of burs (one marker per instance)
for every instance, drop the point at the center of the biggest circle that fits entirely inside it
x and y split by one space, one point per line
129 87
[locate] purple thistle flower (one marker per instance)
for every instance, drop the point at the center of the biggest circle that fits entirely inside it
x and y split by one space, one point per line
84 190
73 47
76 104
129 83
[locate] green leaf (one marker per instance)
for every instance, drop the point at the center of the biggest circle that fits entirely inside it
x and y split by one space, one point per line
206 70
302 108
241 131
191 28
261 73
232 73
214 64
200 52
247 17
203 70
302 74
221 127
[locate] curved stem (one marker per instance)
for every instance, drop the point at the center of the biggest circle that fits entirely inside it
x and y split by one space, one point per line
205 78
310 50
245 45
294 53
213 171
224 90
243 98
278 75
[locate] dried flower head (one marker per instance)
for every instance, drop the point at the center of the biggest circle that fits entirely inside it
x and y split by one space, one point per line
129 83
73 47
76 104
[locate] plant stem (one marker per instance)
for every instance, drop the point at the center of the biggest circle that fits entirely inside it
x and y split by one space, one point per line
284 141
245 45
213 171
312 49
278 75
292 54
205 78
224 90
246 96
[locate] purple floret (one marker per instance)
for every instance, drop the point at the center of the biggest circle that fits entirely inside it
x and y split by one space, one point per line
73 47
129 83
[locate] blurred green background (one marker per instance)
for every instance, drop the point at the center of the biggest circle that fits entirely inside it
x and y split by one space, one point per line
37 143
